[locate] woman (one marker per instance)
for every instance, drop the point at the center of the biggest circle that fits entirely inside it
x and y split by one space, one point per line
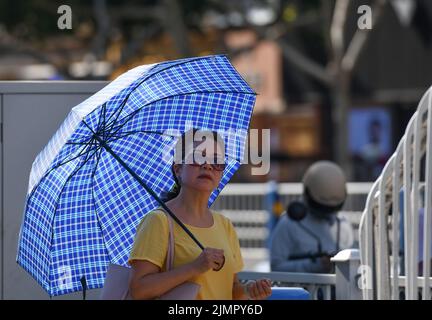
195 181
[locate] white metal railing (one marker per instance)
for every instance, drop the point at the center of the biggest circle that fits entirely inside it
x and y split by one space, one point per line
252 196
285 188
241 199
387 268
245 204
319 286
342 285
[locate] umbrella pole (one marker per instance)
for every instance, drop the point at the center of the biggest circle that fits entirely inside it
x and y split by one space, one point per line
142 183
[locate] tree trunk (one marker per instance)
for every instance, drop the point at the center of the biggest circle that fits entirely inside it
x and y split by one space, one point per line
341 104
177 28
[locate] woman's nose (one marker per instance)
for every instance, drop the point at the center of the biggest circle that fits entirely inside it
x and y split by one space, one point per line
207 166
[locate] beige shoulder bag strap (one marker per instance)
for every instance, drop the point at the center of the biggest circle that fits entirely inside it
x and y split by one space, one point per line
187 290
170 251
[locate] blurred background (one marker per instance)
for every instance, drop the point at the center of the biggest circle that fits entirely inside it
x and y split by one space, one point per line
327 88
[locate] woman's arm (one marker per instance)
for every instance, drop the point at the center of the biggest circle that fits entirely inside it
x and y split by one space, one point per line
147 281
239 292
252 290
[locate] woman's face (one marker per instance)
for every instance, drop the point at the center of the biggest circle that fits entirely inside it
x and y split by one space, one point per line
201 177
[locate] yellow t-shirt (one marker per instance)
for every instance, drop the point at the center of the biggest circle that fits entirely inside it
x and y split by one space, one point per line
151 244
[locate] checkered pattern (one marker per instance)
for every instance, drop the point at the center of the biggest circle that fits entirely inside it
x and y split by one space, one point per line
82 206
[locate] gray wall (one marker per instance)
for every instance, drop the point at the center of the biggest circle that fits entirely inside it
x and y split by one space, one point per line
30 113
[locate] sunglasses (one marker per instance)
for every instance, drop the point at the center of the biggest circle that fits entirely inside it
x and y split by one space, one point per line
198 159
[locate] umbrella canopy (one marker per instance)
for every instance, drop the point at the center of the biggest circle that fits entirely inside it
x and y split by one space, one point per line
86 197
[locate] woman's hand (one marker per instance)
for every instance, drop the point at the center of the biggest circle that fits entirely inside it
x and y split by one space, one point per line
210 258
259 289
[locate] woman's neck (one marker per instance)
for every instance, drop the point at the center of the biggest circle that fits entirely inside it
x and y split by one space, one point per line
190 205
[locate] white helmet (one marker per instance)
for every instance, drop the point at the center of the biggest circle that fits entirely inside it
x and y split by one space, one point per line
324 187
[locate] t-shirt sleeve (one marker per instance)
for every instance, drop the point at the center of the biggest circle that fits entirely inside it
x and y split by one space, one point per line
151 239
235 245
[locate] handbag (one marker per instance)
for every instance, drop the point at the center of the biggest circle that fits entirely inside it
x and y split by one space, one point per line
116 286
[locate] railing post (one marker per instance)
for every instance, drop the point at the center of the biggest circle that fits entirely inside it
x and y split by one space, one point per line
347 263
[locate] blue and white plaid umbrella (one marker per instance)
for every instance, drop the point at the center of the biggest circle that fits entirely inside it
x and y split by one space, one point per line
105 168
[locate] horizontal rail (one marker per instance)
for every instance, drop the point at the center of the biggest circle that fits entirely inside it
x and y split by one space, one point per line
286 188
291 277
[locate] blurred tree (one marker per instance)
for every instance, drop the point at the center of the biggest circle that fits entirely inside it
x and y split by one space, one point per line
30 27
312 35
333 67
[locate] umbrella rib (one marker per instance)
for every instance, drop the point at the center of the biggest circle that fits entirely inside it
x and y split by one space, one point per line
103 118
111 124
97 162
100 115
79 155
83 143
126 134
